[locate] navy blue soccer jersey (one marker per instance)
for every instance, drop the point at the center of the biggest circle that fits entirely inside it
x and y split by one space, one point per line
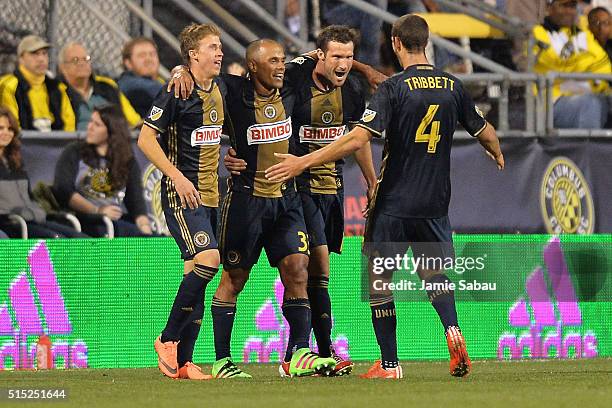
419 109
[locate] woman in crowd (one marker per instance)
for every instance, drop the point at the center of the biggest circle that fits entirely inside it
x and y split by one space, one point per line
101 176
15 193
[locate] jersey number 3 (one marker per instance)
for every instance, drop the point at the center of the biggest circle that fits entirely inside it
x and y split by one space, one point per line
433 137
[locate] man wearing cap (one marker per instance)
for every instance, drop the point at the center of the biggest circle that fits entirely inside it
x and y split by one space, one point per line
31 94
561 46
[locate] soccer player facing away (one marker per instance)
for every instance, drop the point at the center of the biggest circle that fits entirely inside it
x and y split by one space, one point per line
419 108
333 103
189 158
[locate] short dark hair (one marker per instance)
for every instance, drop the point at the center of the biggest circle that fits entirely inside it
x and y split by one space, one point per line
594 11
413 32
128 48
338 33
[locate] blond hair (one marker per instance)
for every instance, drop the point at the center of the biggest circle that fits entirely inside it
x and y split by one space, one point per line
192 34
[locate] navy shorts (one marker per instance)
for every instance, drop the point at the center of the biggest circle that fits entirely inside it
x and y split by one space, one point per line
324 217
250 224
387 235
193 230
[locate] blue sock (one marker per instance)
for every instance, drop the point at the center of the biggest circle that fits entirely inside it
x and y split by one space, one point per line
443 301
297 313
318 295
223 314
385 325
190 333
188 295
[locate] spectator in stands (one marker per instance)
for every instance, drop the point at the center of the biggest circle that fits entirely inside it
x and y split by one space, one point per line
3 235
32 96
87 90
140 81
101 176
563 47
15 195
369 27
600 25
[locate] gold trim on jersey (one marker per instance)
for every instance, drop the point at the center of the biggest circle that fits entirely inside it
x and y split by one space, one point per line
208 163
268 110
180 218
152 126
172 156
224 212
369 129
325 111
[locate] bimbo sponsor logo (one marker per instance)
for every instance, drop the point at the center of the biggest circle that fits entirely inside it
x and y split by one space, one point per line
311 134
274 335
35 307
269 132
553 329
206 135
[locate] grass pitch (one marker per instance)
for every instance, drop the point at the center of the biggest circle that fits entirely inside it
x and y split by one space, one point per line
582 383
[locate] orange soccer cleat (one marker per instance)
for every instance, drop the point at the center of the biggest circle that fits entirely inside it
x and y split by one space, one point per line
191 371
283 369
166 361
377 371
460 364
343 367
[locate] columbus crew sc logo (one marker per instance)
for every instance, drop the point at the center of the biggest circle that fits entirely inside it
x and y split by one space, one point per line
565 199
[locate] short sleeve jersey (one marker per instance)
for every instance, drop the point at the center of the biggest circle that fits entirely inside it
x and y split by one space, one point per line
319 118
419 109
259 126
190 136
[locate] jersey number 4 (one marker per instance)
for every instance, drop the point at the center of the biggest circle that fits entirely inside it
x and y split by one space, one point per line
433 137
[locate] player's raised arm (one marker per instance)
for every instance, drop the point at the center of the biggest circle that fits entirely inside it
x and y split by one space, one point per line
291 166
488 139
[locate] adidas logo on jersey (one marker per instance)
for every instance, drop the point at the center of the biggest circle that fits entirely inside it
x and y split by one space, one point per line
539 342
311 134
269 132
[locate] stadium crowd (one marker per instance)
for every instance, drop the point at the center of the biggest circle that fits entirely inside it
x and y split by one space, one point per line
571 37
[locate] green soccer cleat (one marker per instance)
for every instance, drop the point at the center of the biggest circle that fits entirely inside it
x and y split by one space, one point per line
304 363
225 368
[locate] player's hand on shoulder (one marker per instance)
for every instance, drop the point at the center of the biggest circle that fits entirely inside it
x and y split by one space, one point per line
181 81
374 77
289 167
188 194
232 163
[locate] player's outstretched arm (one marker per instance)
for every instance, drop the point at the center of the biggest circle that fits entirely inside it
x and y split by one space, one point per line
291 166
147 142
363 157
488 139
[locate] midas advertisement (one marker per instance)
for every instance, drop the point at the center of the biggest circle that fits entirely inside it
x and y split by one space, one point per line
103 302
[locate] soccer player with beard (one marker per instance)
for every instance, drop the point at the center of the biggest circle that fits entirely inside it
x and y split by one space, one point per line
332 102
419 108
189 157
329 101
